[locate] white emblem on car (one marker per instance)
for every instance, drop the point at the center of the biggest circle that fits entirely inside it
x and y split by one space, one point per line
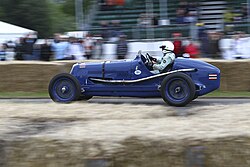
137 72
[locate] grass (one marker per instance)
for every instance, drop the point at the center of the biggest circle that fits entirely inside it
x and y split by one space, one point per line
45 94
24 95
218 93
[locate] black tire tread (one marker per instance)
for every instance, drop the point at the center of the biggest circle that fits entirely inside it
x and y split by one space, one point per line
190 83
84 98
71 77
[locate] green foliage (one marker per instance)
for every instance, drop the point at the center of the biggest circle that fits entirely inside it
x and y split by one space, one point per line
69 7
219 93
1 13
30 14
44 16
61 22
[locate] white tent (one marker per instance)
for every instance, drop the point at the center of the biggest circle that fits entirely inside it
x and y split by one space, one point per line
12 32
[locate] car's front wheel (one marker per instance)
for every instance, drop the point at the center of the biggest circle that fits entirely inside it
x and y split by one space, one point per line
64 88
177 89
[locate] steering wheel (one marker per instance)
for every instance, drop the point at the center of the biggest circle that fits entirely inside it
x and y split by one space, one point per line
149 61
143 58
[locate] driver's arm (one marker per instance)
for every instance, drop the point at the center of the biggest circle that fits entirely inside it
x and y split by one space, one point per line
158 60
165 61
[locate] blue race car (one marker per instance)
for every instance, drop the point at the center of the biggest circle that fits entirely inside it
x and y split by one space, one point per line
178 84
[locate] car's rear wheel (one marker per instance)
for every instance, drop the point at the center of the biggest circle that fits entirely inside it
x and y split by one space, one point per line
195 96
177 89
85 97
64 88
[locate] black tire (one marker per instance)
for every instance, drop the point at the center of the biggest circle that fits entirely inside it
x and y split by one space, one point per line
64 88
85 98
195 96
177 89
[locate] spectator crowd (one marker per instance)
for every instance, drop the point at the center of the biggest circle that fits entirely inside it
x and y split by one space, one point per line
214 45
210 44
61 47
67 47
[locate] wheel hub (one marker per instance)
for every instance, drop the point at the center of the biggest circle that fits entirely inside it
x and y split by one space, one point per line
64 89
178 89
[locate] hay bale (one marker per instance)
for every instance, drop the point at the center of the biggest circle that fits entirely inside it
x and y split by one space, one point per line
27 76
68 64
35 76
234 74
237 77
223 66
230 151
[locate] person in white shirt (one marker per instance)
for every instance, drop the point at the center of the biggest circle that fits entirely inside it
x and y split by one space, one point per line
88 46
75 50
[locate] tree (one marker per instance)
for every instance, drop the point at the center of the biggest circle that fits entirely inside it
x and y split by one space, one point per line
1 12
28 14
44 16
61 22
69 7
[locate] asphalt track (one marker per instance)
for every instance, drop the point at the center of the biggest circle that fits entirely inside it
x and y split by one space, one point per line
148 101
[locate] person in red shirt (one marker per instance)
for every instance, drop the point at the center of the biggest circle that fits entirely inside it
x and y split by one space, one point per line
192 49
115 2
178 48
120 2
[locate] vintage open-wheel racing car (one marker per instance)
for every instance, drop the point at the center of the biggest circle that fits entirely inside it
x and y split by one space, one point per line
178 84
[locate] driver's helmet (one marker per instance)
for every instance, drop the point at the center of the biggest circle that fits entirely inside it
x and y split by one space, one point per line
167 46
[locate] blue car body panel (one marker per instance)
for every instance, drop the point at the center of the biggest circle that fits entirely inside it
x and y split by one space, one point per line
206 77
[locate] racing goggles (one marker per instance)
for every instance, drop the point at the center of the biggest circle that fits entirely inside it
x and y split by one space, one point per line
162 47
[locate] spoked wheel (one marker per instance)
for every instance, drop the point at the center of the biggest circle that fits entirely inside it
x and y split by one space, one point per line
64 88
177 89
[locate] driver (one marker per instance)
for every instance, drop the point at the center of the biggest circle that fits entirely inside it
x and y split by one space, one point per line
167 58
